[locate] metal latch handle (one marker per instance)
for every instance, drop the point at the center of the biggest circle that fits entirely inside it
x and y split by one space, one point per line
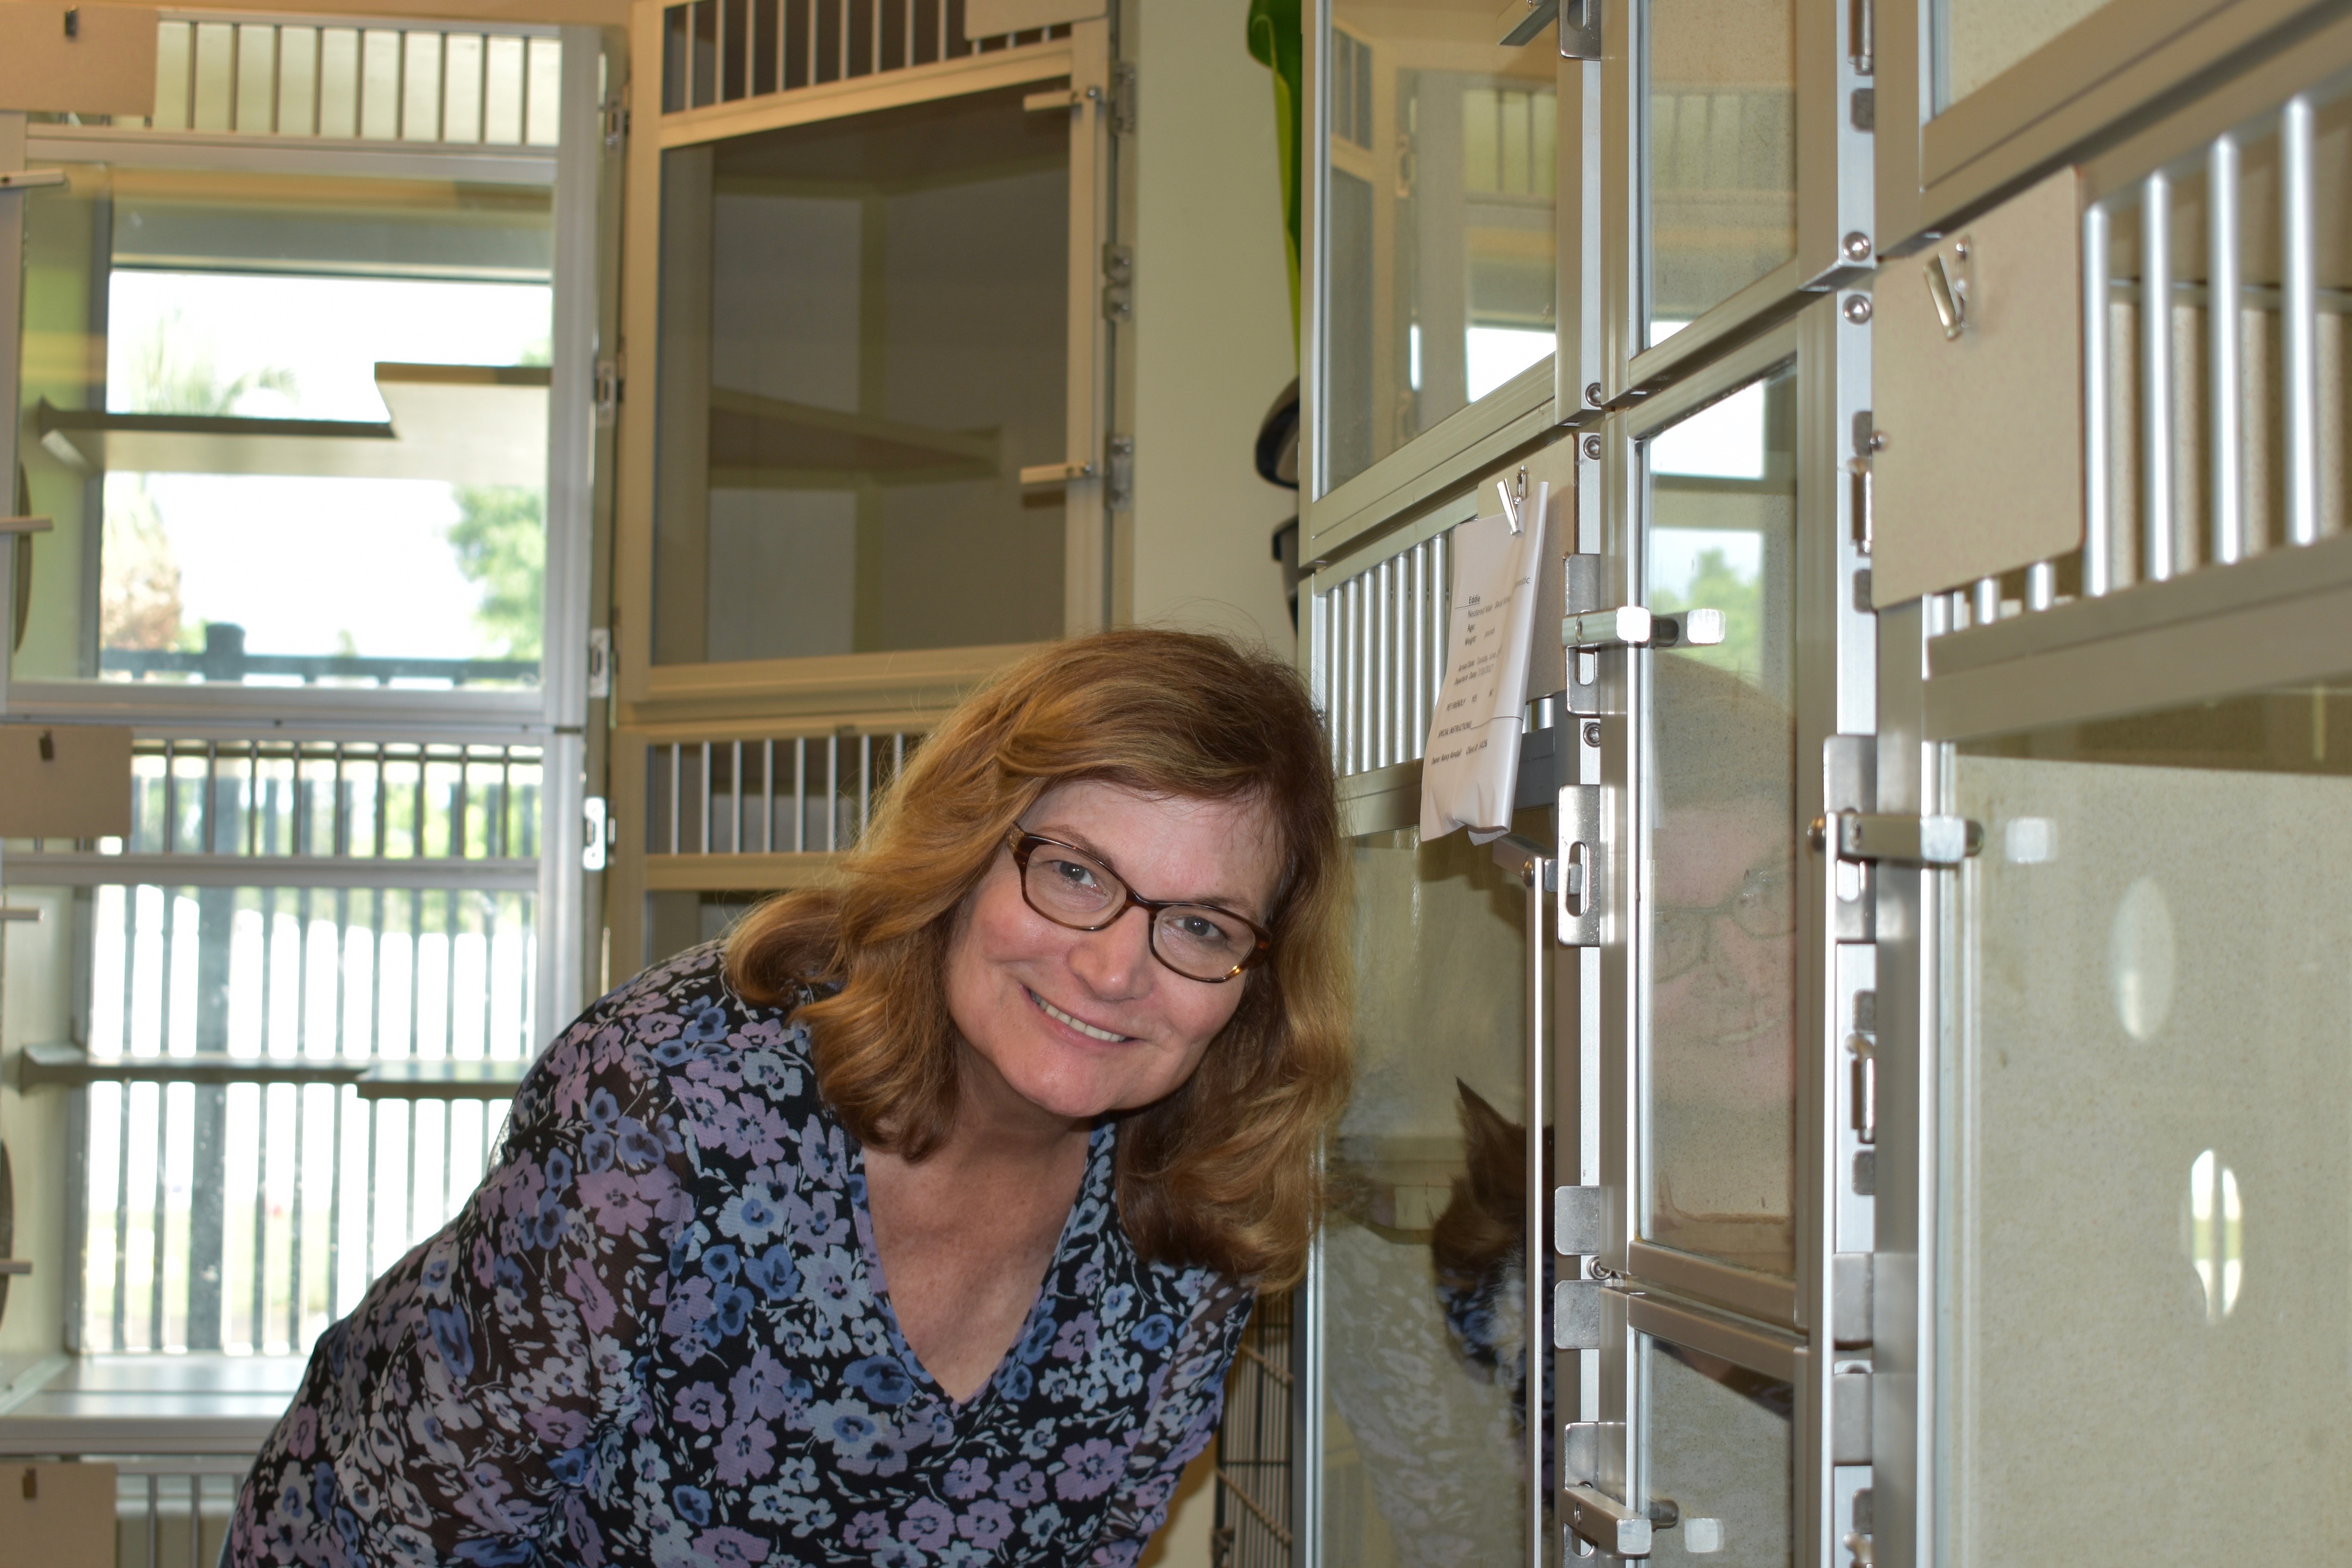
1607 1524
1060 98
1899 840
1057 473
1630 625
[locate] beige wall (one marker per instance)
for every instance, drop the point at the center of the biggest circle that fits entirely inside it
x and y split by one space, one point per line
1183 1542
1211 333
35 1008
1211 347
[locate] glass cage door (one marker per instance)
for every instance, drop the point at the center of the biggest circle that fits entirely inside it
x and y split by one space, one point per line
1708 1427
1717 1072
2146 1163
865 339
1716 1449
879 341
1718 154
1441 160
1424 1262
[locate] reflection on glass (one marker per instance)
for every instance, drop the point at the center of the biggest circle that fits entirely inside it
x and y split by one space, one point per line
2162 1038
1719 1450
293 430
1976 40
1721 1067
1720 151
864 324
1444 164
1425 1271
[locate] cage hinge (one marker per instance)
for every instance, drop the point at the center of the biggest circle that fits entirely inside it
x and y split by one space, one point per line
1850 1278
597 828
606 391
1122 98
1118 283
1579 29
1118 469
1850 1416
600 661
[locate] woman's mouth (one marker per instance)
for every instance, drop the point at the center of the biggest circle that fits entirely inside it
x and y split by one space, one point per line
1080 1024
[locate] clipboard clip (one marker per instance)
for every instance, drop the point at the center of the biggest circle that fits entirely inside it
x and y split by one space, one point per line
1514 492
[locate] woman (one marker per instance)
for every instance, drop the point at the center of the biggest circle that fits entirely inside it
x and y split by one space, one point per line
918 1223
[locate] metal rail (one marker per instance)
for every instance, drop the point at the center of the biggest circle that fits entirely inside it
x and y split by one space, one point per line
494 84
726 51
792 795
2166 405
1378 650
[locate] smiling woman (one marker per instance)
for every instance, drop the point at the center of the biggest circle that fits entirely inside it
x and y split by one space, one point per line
921 1221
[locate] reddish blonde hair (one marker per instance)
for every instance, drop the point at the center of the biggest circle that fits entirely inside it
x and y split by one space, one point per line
1223 1173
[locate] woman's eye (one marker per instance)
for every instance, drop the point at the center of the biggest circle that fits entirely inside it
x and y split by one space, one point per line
1074 873
1202 929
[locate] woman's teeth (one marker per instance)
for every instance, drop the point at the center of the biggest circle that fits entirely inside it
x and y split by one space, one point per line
1081 1026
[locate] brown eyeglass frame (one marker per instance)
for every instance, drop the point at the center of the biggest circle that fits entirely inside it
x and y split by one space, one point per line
1024 843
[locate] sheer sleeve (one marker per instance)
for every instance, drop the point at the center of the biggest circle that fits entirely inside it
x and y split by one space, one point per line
1183 1416
484 1385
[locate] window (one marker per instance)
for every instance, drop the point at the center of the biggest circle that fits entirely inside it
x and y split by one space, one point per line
293 427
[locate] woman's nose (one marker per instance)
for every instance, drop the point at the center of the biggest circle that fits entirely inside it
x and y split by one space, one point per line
1114 963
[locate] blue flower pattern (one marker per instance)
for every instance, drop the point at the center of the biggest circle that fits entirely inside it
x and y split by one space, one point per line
659 1333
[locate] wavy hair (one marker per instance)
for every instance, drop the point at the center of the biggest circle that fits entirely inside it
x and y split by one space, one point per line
1222 1172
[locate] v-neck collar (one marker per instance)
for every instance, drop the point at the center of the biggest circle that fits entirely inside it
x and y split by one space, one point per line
1100 1143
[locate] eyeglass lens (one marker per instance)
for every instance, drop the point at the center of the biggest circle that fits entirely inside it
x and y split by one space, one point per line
1197 941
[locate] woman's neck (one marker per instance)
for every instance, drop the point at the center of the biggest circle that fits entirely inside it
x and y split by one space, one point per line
996 1127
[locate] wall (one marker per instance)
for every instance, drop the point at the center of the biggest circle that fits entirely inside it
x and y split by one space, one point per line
1212 338
1211 347
36 975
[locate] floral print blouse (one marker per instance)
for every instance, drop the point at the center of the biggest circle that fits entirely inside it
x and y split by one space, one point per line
659 1334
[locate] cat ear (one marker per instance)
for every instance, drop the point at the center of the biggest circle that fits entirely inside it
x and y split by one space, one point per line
1481 1121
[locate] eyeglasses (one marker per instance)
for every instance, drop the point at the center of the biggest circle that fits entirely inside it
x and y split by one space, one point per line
1073 888
1765 906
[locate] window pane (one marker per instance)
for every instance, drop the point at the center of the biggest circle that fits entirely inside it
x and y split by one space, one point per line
1721 152
2161 1037
246 1217
1721 802
293 430
864 329
1721 1453
1424 1258
1443 157
1976 40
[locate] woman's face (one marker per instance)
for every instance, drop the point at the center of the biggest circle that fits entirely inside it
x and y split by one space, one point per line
1077 1024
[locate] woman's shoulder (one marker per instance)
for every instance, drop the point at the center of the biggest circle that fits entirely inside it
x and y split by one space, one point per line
679 1033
